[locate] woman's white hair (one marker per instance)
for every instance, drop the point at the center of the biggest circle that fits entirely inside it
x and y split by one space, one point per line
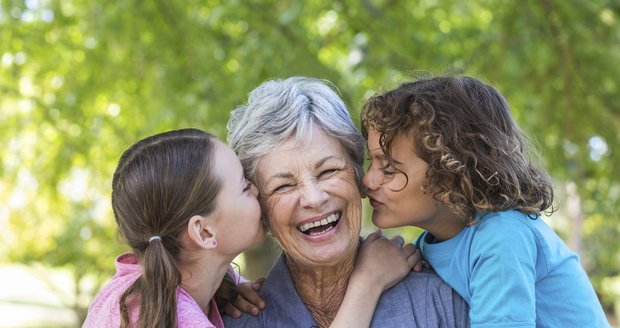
278 109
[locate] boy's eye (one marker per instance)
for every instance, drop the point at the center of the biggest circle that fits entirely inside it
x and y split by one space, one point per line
387 171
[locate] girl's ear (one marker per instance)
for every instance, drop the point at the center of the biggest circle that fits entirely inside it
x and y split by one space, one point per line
201 233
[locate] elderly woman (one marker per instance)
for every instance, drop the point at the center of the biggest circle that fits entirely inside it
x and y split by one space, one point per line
297 142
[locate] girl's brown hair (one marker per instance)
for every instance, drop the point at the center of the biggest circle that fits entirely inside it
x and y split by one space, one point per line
159 184
479 160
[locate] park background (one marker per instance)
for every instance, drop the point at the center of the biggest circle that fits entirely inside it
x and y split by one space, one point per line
80 81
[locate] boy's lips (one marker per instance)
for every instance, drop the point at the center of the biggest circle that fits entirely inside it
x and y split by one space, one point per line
374 202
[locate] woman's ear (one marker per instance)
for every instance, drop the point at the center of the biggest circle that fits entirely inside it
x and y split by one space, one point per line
200 232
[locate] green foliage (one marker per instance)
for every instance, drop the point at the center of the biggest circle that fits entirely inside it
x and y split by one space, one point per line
82 80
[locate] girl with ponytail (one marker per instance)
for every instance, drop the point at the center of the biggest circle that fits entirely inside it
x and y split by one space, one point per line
186 210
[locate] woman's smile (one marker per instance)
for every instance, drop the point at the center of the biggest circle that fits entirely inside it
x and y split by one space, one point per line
311 199
319 226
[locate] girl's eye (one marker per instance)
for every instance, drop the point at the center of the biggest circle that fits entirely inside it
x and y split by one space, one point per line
248 186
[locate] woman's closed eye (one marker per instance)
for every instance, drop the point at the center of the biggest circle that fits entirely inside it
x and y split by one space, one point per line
327 173
282 188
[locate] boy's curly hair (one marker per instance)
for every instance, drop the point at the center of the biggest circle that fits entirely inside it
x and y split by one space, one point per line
478 158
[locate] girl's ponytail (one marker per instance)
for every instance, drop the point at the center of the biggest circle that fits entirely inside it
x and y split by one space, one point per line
159 184
155 290
160 279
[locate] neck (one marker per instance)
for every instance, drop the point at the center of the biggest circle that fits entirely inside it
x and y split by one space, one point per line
322 288
202 278
448 226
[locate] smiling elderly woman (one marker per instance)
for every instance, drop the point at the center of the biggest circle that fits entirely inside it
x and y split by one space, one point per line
297 142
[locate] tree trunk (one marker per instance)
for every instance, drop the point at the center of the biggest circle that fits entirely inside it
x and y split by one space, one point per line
575 216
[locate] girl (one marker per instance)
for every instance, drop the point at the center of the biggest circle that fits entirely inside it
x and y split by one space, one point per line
446 156
183 205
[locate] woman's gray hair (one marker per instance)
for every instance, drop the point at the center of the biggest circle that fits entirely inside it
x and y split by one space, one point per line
278 109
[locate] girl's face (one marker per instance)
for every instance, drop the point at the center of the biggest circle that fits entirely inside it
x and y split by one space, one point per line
398 199
237 209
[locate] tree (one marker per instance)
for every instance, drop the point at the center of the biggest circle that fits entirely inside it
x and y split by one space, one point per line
82 80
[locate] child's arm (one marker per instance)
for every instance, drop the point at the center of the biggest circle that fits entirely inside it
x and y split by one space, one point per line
380 264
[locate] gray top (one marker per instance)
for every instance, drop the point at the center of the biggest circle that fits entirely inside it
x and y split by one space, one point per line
422 300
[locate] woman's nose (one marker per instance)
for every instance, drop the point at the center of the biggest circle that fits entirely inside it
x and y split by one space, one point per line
313 195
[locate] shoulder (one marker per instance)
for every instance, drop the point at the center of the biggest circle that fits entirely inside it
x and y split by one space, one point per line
504 220
127 272
501 240
104 310
425 284
189 313
508 228
189 320
426 287
246 320
422 299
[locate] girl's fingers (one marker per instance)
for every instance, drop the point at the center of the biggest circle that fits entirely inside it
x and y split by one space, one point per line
245 306
258 284
231 310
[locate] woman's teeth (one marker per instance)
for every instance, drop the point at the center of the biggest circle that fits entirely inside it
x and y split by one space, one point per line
321 225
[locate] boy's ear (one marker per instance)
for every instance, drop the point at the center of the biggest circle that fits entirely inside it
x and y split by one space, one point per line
201 233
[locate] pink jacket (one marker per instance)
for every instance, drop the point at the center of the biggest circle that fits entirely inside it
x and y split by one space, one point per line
104 310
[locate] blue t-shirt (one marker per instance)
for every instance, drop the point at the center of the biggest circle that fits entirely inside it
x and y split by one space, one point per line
515 272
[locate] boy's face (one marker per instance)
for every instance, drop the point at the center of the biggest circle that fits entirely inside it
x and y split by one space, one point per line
396 193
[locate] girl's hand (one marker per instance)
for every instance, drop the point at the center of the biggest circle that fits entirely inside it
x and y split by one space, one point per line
248 300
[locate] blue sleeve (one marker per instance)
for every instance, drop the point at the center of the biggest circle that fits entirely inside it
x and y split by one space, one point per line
503 275
418 241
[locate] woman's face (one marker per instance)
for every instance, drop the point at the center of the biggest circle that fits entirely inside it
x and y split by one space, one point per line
237 209
311 200
399 200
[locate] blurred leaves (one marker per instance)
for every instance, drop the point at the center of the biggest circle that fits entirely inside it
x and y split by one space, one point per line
82 80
